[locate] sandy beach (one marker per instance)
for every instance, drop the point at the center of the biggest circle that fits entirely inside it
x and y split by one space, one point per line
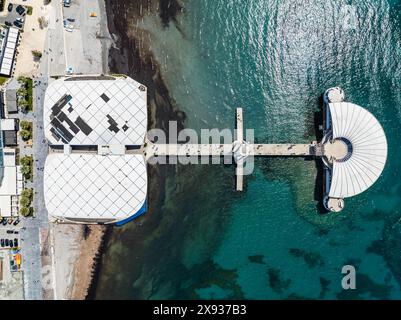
33 38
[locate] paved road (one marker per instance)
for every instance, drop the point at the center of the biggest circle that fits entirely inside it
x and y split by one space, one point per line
31 233
53 62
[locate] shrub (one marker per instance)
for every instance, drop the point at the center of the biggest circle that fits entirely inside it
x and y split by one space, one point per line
26 212
36 54
26 135
25 93
42 22
27 167
26 125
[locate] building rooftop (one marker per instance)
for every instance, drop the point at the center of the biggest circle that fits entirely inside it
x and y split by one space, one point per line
95 188
359 149
95 111
94 180
8 51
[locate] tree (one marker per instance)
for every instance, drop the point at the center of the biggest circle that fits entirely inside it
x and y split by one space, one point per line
26 161
42 22
24 105
25 202
25 125
28 193
26 212
26 166
36 54
26 135
22 92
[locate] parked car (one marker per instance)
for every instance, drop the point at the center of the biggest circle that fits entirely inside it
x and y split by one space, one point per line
6 242
11 243
4 221
8 23
15 242
10 221
67 3
15 223
20 9
20 20
2 242
17 24
10 231
10 7
15 231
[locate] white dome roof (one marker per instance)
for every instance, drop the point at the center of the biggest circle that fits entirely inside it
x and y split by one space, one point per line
368 149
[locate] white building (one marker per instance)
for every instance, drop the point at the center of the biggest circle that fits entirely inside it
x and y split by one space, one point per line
9 48
355 148
90 177
11 185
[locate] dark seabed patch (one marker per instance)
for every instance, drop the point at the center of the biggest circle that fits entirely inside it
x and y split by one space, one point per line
388 246
258 258
325 287
312 259
276 280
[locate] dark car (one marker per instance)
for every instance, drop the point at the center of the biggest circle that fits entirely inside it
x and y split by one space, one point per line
15 242
10 231
20 9
17 24
8 23
10 7
11 243
16 222
6 242
4 221
2 242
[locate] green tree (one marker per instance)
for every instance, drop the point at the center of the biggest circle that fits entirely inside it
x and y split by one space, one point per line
26 125
22 92
27 167
26 212
36 54
26 135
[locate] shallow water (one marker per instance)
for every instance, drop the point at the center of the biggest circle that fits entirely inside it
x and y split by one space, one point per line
274 59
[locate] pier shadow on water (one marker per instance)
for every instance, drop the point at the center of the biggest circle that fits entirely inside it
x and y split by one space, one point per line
318 192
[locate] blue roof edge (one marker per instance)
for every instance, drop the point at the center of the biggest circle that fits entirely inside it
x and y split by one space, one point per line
141 212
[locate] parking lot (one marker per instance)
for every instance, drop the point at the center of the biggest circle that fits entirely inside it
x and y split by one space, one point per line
9 237
83 34
11 279
13 18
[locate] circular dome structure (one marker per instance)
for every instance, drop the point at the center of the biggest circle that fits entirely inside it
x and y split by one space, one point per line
357 167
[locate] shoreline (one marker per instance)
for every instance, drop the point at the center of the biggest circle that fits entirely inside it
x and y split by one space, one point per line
130 54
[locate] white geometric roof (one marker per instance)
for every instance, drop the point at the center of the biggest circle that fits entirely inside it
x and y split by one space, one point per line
95 111
91 187
369 149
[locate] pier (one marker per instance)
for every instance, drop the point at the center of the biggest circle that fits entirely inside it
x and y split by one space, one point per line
353 150
240 150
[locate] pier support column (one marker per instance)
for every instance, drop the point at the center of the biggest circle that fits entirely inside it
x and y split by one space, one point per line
239 171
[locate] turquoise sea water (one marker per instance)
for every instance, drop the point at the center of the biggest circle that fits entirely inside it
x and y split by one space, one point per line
274 59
